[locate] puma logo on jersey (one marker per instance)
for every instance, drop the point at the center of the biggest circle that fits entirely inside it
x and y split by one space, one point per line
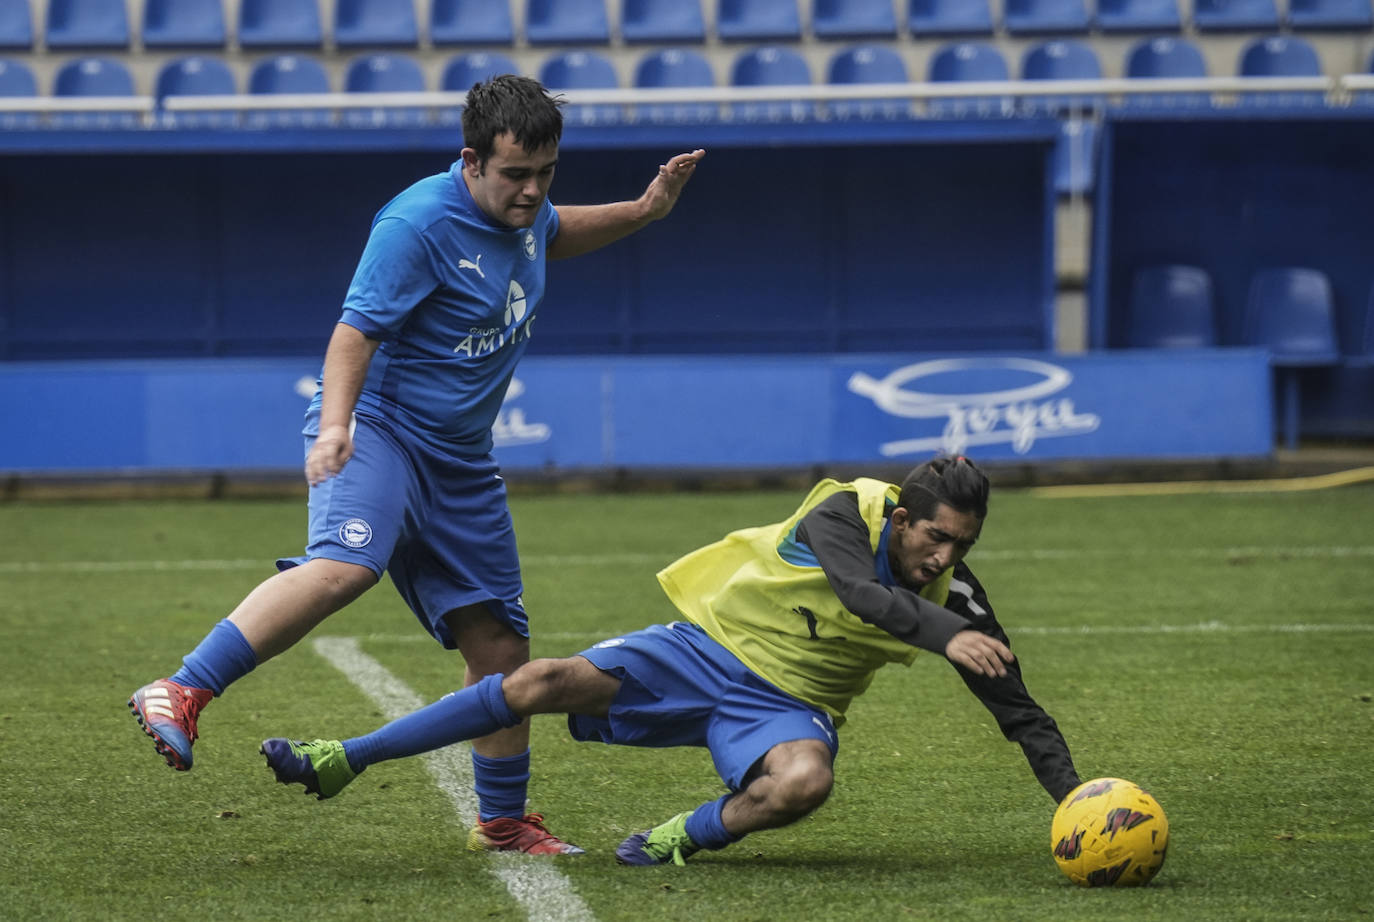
469 264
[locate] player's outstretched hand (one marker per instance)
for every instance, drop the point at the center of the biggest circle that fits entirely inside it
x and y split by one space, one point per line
662 193
979 653
331 451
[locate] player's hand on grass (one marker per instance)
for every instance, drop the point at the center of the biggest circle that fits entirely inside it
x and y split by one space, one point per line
663 192
979 653
331 451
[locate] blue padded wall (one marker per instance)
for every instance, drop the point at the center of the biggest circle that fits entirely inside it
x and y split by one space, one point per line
199 254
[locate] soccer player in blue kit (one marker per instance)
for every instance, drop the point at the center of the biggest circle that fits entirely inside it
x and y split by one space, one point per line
783 626
402 479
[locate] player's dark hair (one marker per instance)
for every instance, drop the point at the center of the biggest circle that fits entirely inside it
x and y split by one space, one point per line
956 482
510 104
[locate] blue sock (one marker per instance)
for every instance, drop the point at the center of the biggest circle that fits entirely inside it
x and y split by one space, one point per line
462 715
222 658
501 784
706 827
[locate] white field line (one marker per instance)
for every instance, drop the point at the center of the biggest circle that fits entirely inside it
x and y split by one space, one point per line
532 561
537 886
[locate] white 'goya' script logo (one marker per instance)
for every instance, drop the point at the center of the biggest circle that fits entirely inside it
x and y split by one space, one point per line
1017 416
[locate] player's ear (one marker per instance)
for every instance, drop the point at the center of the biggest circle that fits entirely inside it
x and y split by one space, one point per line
470 161
900 518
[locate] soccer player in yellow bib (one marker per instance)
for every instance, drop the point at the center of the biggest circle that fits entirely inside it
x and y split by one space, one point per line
785 624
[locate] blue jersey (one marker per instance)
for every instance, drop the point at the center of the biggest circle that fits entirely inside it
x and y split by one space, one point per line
452 295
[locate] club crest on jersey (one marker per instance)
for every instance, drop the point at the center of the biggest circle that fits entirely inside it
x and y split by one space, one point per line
516 303
355 533
519 326
531 250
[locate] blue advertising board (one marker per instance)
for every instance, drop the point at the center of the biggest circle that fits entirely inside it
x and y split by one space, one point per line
726 412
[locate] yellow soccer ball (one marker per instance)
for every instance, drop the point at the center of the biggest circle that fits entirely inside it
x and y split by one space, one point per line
1109 833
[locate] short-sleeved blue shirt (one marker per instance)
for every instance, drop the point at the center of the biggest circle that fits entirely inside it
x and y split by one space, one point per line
452 295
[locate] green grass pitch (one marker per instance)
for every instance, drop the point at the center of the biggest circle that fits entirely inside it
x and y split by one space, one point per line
1216 649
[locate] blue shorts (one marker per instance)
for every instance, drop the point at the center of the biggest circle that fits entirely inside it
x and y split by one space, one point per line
437 522
681 688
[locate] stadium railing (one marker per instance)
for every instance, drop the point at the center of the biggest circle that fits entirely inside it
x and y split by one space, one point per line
1337 92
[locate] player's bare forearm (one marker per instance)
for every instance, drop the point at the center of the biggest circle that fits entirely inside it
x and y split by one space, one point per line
584 228
345 370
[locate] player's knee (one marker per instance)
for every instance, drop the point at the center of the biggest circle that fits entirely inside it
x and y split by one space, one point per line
802 787
339 582
537 687
488 645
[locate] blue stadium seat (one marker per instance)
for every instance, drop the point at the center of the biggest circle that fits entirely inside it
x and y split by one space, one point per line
853 19
868 64
1291 311
16 80
1163 58
1235 15
949 17
183 24
1075 152
771 65
662 21
1329 14
384 72
1280 56
1060 60
582 70
566 22
279 24
16 25
1046 17
1171 307
375 24
1138 15
758 21
289 73
471 22
94 77
463 70
675 67
196 75
1075 157
87 24
969 62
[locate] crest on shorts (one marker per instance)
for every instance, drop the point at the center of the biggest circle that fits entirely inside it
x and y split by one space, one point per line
355 533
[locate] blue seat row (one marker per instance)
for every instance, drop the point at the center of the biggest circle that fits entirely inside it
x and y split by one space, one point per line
1059 59
91 24
1291 311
